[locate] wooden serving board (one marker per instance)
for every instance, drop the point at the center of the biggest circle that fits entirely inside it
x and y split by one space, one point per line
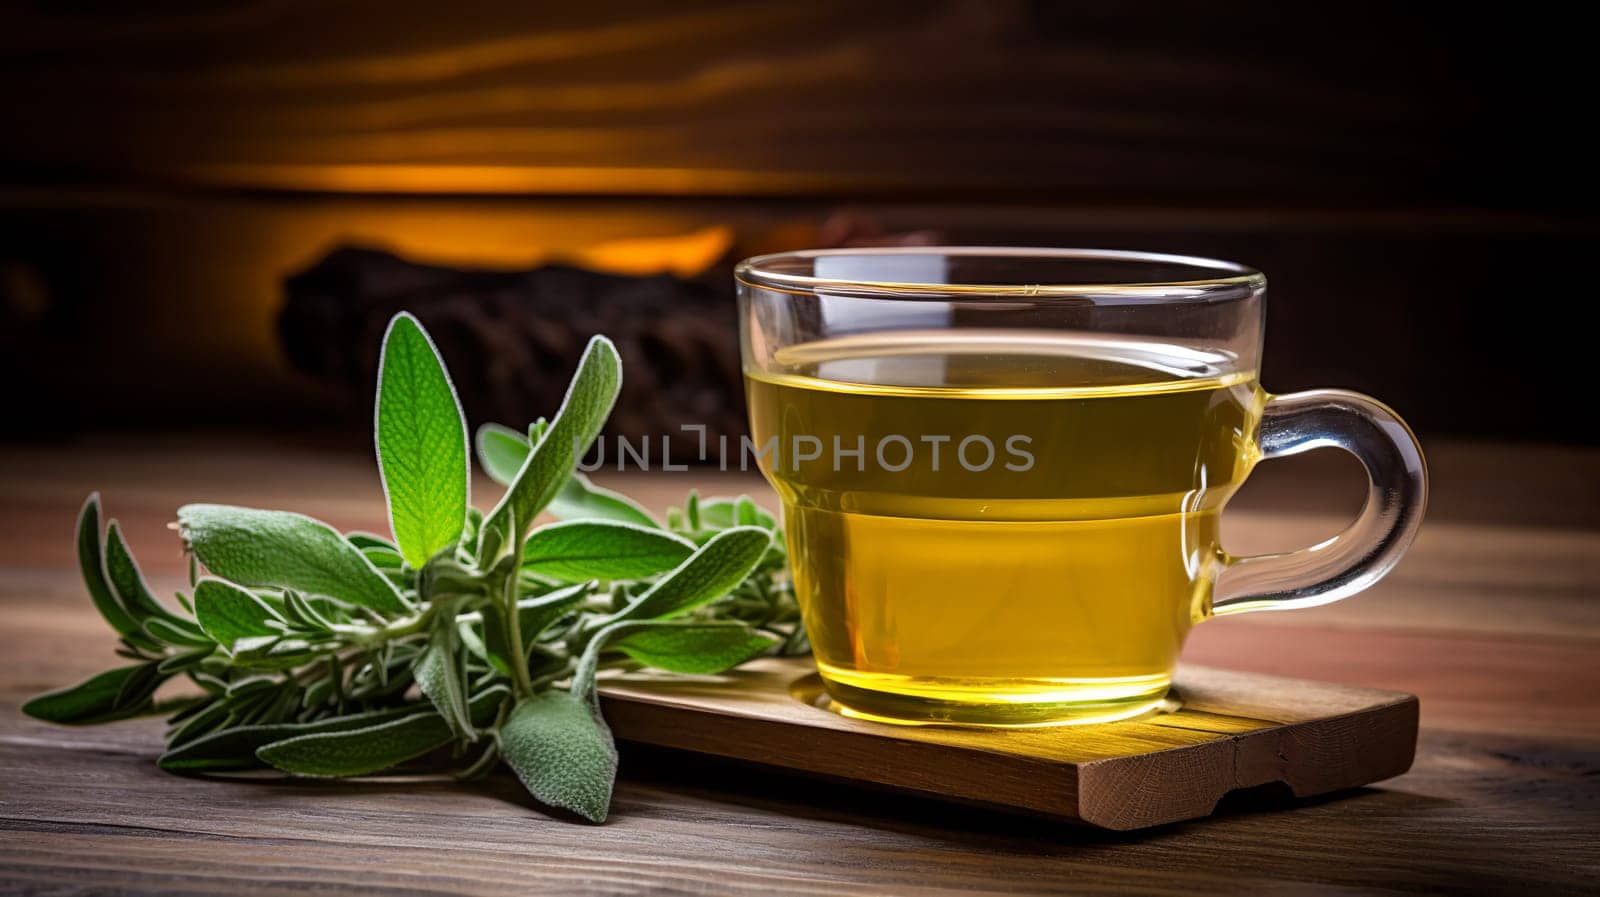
1227 731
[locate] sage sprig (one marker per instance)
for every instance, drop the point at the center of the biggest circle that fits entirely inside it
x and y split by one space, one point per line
463 639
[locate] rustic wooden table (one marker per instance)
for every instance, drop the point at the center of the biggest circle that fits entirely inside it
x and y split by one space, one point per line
1493 619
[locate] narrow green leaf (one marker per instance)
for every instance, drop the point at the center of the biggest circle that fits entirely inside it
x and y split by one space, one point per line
122 572
177 632
284 550
177 663
235 748
114 694
208 716
228 613
384 558
501 452
722 513
440 676
580 499
368 749
366 540
421 437
299 611
535 615
562 752
711 572
495 646
549 465
495 534
91 565
357 752
691 510
578 550
687 647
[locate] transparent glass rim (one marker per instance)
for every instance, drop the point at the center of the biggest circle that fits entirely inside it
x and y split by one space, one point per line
1227 281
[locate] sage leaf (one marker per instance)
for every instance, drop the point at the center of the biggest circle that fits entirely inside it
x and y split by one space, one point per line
365 540
686 647
235 748
581 499
301 614
127 582
208 716
441 678
711 572
421 437
535 615
285 550
91 560
357 752
501 452
549 465
384 558
177 663
228 613
114 694
177 632
722 513
368 749
495 534
578 550
563 753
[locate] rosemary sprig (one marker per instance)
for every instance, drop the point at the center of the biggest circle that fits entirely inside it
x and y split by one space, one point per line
332 654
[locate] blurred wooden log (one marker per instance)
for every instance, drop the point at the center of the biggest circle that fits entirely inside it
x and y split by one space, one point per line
513 338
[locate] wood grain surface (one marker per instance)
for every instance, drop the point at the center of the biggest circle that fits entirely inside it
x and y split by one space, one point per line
1492 620
1221 732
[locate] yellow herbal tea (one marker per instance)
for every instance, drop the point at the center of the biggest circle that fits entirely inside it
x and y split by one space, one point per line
1002 527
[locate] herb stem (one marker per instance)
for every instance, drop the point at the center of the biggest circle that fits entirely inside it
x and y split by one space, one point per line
374 636
518 661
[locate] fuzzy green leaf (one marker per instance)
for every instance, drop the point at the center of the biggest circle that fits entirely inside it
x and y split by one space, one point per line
704 648
284 550
177 632
355 752
122 572
578 550
228 613
441 678
580 499
91 564
364 540
384 558
421 438
722 513
549 465
501 452
563 753
368 749
711 572
114 694
536 614
235 748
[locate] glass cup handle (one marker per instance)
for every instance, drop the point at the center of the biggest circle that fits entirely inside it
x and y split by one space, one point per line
1369 547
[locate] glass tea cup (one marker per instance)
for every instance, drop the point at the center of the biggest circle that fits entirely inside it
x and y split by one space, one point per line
1003 471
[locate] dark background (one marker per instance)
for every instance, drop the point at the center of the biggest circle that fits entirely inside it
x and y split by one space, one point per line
1412 180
